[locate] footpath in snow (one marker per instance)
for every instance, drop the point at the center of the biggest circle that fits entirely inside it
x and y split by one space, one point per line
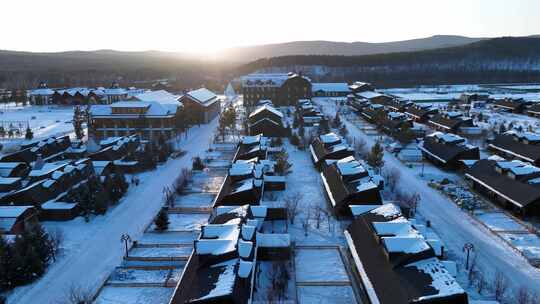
454 226
94 249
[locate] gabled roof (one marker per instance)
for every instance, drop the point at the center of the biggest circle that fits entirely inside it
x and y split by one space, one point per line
268 108
517 192
160 96
511 144
448 148
203 96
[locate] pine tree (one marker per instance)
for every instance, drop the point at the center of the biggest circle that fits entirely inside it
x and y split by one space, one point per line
29 135
6 265
502 128
375 156
77 122
162 220
337 121
101 202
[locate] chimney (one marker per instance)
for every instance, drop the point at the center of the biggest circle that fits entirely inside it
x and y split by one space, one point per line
39 163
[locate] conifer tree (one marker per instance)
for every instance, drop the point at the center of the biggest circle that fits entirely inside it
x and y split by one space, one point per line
162 220
375 156
29 135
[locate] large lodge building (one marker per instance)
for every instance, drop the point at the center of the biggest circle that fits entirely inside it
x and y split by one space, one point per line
282 89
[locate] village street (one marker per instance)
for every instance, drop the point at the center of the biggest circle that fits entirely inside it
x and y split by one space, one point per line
88 260
453 225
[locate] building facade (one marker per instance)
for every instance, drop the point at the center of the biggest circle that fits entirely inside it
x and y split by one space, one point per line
148 119
282 89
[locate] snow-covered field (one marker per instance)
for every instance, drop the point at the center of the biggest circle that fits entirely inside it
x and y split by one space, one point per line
195 200
94 249
325 295
310 263
131 295
43 120
160 252
168 237
185 221
127 276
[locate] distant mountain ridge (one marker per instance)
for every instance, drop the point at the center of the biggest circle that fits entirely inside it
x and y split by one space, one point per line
250 53
507 59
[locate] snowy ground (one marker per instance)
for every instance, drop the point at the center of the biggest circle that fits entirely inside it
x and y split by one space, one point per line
127 276
185 221
131 295
309 263
94 249
195 200
455 227
160 252
325 295
44 121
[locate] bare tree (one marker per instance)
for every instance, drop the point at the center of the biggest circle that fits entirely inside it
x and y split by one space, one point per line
292 202
391 176
56 239
305 223
76 295
481 282
360 147
500 285
317 214
409 201
523 296
472 271
168 197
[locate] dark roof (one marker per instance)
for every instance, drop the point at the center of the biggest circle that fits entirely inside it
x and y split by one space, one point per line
535 108
511 104
420 112
396 278
450 123
509 142
449 152
517 192
335 150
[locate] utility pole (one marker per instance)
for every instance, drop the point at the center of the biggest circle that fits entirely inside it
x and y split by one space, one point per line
468 247
126 238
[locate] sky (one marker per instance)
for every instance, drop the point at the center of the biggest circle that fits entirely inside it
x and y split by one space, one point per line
205 26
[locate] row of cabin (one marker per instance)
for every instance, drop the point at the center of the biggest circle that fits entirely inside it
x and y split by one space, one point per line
397 263
309 113
43 95
346 181
374 106
221 268
268 121
154 114
47 188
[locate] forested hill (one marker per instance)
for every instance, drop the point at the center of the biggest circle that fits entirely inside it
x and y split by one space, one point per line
90 68
508 59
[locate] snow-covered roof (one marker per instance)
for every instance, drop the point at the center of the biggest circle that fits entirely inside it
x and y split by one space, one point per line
244 268
405 244
154 108
350 167
330 138
224 284
366 186
266 107
518 167
214 247
387 210
244 248
13 211
441 279
369 94
395 228
160 96
203 96
447 137
42 92
53 205
267 79
330 87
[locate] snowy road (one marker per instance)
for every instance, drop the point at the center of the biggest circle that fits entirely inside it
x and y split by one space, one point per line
87 263
456 227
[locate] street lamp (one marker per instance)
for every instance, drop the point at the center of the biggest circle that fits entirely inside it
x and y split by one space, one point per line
126 238
468 247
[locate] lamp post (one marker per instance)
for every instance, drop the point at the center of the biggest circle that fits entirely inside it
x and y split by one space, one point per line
468 247
126 238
